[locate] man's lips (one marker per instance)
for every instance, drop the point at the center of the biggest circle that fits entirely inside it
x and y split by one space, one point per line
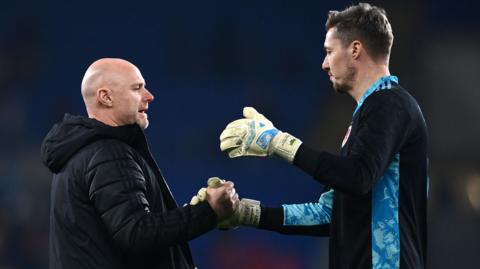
143 112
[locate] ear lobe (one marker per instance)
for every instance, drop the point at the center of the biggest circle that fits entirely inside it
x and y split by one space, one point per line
104 97
356 49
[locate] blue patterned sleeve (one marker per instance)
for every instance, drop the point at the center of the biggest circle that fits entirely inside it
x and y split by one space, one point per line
309 213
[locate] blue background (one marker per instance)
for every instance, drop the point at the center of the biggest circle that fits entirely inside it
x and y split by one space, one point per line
204 61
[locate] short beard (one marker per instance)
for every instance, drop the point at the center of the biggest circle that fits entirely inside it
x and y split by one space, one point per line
143 125
342 88
346 86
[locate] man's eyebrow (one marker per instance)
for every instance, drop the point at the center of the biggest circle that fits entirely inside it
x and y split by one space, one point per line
138 84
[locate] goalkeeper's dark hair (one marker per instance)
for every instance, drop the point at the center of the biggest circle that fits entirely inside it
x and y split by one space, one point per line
366 23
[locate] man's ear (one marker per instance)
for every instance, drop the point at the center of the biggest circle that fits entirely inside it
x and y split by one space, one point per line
356 48
104 97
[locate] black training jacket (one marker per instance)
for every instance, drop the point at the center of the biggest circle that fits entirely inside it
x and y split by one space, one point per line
110 205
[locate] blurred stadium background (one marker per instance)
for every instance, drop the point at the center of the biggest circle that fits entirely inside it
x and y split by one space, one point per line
204 61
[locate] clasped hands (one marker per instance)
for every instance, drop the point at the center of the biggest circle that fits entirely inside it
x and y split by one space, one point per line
223 199
253 135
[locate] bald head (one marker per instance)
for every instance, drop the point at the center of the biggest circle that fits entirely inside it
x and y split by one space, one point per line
114 92
103 73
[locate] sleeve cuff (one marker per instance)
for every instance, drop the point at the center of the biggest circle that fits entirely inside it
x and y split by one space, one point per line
306 159
271 218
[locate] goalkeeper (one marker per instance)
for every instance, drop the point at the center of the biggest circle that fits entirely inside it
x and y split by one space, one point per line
374 205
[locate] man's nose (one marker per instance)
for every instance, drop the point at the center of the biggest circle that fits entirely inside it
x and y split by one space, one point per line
325 65
149 96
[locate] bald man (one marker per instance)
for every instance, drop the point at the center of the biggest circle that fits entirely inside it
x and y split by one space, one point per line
110 205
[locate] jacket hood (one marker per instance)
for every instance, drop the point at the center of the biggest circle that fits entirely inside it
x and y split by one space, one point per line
73 133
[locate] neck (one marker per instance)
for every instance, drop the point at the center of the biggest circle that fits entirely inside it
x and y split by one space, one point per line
365 77
103 117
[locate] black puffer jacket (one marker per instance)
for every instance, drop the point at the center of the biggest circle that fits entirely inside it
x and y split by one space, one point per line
110 205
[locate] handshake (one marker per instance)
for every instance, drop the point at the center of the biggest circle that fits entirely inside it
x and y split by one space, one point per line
253 135
231 211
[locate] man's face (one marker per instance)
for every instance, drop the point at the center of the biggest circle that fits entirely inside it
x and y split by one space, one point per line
337 63
130 97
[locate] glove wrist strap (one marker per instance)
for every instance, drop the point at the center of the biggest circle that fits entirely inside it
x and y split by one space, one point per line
286 146
250 212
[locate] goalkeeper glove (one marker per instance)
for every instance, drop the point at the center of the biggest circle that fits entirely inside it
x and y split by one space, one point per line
213 182
255 135
247 214
200 197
